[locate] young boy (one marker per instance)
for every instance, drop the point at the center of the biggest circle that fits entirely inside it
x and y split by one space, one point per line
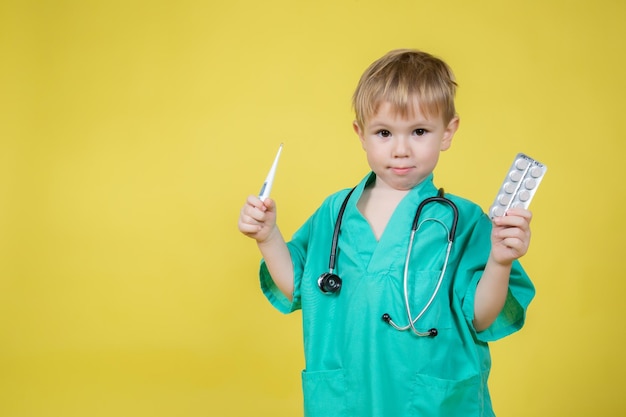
404 331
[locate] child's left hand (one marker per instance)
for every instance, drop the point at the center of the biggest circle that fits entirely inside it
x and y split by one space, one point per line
510 236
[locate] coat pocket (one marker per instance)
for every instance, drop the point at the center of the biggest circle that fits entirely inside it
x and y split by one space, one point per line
435 397
324 393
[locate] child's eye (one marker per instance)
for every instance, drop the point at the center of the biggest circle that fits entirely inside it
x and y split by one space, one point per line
420 132
384 133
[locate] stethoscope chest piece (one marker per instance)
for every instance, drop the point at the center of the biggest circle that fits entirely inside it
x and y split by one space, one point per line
329 283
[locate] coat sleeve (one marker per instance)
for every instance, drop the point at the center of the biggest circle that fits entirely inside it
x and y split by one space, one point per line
298 251
474 257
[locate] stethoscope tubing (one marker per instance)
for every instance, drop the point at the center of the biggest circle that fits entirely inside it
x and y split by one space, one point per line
335 242
405 280
336 284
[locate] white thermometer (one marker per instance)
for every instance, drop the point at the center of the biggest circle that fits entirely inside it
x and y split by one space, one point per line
267 185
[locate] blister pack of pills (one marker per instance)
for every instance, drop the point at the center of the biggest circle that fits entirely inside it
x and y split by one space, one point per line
519 185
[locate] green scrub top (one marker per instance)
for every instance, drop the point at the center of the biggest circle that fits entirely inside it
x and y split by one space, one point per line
358 365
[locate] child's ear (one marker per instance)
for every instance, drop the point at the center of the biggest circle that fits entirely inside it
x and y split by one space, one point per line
359 132
449 132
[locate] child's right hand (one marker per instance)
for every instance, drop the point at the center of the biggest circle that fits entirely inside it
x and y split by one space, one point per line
258 218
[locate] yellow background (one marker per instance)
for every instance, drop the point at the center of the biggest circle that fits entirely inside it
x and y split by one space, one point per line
131 133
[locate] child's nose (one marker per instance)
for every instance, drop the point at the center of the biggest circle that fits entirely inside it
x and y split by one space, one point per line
400 147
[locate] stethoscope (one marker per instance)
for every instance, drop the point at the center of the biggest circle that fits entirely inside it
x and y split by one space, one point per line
330 283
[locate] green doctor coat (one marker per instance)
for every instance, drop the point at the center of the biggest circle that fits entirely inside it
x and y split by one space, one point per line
358 365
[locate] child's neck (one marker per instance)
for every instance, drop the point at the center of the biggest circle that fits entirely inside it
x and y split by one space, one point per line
377 205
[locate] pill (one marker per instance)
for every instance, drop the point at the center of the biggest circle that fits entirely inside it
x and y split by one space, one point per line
497 212
521 164
504 199
515 176
536 172
509 187
530 183
523 196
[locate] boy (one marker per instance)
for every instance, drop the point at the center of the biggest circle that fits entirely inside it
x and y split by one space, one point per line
444 287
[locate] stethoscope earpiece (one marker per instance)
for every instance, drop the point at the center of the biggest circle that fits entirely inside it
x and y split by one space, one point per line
329 283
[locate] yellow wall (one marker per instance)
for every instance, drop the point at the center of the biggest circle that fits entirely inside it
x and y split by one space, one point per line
132 131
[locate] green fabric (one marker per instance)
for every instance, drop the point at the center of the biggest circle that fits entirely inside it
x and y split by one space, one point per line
358 365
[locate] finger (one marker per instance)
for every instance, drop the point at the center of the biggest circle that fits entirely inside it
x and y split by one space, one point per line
248 228
512 233
255 201
516 246
520 212
253 213
269 204
512 221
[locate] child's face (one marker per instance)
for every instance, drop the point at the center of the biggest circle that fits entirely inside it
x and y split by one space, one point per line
403 151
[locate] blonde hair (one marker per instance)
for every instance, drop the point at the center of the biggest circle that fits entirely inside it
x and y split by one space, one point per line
402 76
